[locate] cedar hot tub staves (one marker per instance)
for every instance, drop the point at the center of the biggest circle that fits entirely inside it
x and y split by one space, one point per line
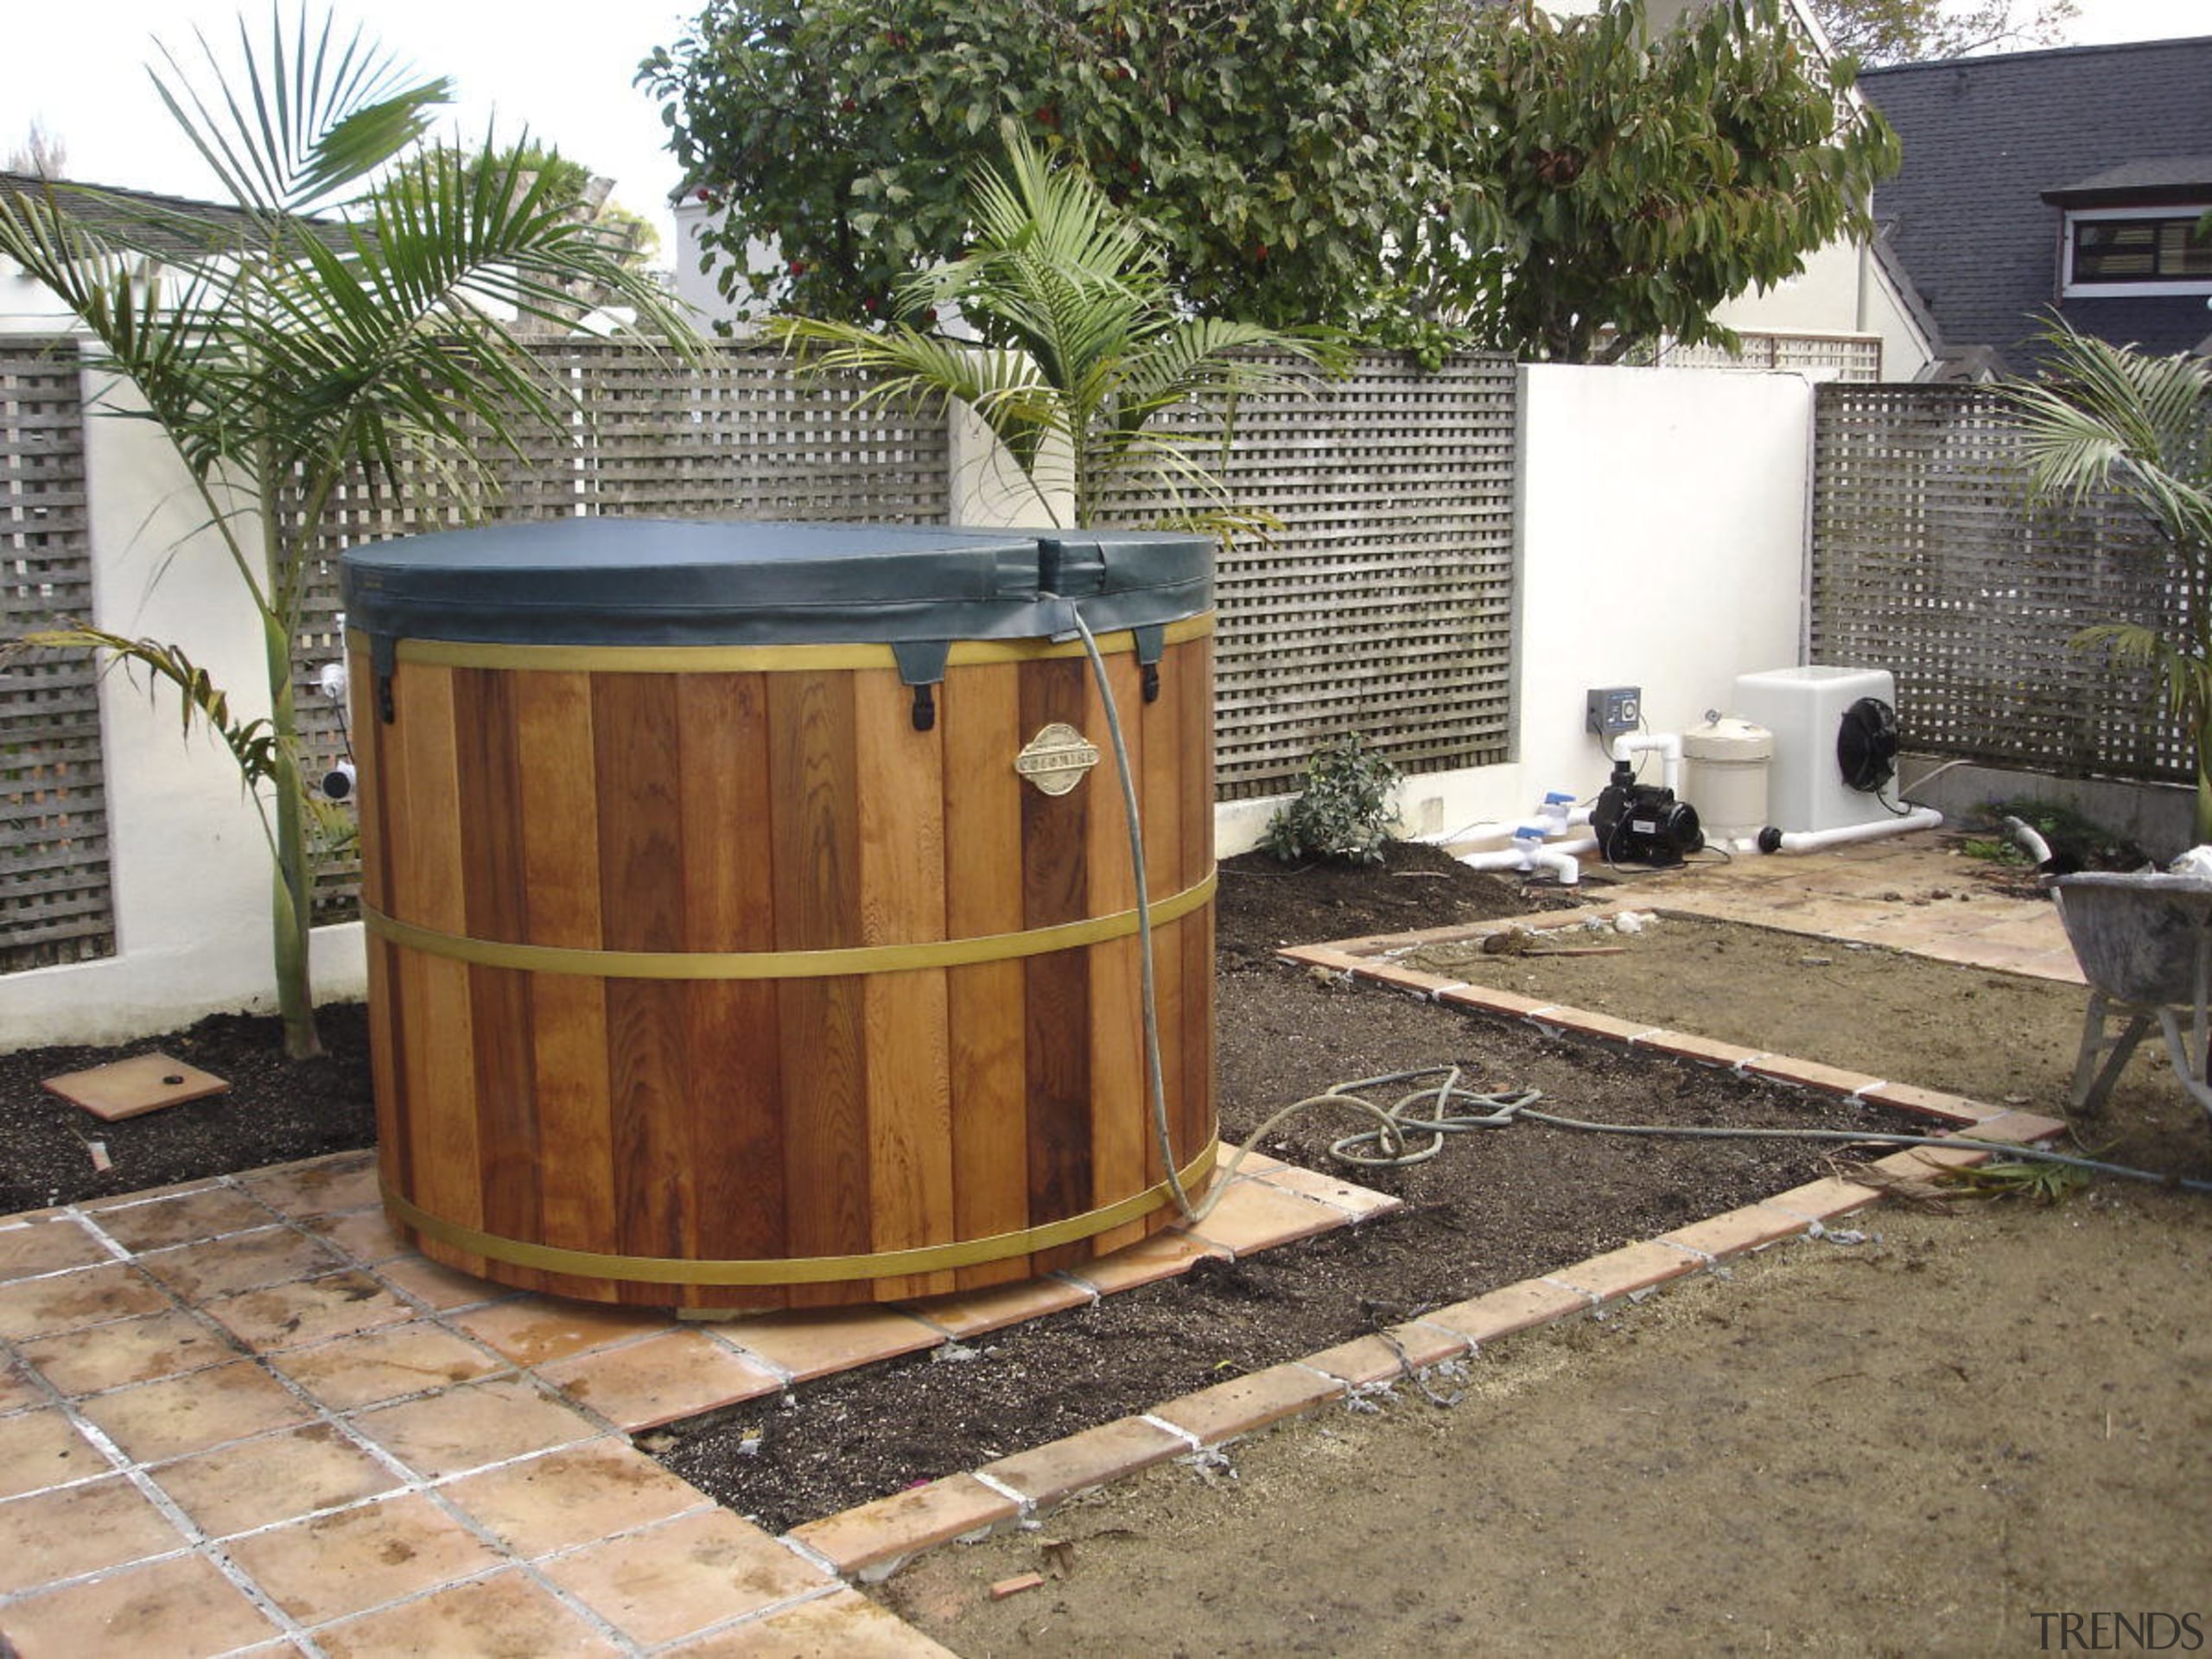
728 946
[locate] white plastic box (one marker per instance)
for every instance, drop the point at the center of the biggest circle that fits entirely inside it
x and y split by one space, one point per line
1803 707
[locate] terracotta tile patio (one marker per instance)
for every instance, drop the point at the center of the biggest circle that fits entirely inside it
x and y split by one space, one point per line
239 1416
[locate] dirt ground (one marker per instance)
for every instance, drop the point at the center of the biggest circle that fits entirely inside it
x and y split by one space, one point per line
1911 1446
2004 1038
1947 1439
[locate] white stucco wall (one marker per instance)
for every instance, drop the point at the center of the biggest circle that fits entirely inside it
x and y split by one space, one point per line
1842 291
990 489
1660 542
1908 346
1662 522
190 866
26 309
698 288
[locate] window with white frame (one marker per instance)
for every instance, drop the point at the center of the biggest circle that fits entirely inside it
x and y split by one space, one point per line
2147 251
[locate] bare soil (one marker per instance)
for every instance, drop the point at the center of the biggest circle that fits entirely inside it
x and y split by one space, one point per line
1493 1208
2004 1038
1984 1420
1946 1440
274 1110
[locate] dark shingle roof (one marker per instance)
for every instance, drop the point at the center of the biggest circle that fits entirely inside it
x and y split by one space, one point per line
2173 179
1986 138
167 224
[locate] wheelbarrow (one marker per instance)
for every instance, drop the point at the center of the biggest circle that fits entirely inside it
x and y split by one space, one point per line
2144 943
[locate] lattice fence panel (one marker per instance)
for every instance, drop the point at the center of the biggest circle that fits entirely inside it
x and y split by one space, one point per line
55 900
739 437
1840 357
745 437
1383 605
1926 561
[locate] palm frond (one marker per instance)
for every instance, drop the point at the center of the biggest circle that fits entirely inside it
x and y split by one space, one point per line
2106 417
307 116
252 743
1084 347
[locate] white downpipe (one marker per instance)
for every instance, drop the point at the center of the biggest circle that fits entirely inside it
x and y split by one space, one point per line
1531 853
1667 745
1813 841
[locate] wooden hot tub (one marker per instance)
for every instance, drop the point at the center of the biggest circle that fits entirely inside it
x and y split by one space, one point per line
747 926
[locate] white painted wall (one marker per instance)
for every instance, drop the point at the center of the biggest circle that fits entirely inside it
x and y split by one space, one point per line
696 286
1843 289
1909 345
28 308
190 866
1661 544
1661 538
991 491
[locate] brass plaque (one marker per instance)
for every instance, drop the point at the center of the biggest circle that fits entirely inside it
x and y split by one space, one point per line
1056 759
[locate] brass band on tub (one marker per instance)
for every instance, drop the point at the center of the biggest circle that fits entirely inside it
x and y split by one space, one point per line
798 1270
780 964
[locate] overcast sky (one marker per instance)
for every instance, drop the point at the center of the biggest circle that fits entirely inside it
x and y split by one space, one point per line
560 68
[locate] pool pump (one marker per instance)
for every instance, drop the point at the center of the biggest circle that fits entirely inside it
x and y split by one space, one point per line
1643 823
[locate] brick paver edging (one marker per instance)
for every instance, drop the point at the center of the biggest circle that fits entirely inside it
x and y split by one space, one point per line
872 1541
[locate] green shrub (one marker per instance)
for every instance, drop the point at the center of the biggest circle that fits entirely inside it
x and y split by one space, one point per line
1344 811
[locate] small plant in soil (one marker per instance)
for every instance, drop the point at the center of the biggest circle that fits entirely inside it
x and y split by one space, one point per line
1344 812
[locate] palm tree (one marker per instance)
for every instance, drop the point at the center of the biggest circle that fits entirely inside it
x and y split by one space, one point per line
1082 348
346 319
2107 418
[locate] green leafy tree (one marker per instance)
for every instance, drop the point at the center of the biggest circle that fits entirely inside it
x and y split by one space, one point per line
346 318
1920 31
1276 148
1618 186
1083 347
2107 418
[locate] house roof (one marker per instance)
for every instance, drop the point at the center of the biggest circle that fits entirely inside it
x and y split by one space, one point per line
1990 142
165 224
2178 178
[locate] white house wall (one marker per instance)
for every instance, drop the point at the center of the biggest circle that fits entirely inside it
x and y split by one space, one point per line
1908 346
28 308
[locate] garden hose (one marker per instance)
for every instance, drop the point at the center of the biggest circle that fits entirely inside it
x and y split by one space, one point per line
1386 1132
1445 1100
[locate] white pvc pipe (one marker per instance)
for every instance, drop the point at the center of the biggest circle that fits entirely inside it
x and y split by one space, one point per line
1557 856
1812 841
2029 840
1498 829
1667 745
1562 865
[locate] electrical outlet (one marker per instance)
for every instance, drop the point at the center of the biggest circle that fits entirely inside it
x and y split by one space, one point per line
1613 710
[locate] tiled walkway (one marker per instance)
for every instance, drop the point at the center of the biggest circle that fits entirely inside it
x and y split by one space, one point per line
241 1416
1910 893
